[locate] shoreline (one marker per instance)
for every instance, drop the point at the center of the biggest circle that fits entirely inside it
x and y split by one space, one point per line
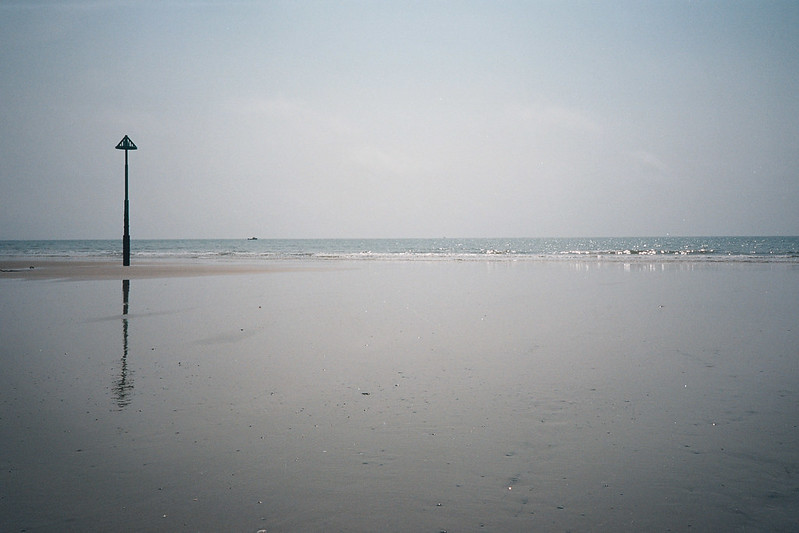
88 269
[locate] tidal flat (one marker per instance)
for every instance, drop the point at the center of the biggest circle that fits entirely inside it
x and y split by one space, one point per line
402 396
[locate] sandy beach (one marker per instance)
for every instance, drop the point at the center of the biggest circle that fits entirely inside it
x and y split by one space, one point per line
399 396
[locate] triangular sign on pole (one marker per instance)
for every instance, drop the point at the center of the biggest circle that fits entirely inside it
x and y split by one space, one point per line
126 144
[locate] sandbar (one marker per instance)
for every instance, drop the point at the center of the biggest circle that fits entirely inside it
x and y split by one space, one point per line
100 269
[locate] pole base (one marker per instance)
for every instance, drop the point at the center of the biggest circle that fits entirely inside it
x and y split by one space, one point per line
126 250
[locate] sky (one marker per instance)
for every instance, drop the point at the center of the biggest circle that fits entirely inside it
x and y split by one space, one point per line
370 119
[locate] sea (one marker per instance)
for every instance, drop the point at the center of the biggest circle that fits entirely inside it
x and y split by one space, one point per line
727 249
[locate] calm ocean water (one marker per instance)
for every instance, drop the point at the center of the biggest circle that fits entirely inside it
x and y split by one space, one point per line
770 249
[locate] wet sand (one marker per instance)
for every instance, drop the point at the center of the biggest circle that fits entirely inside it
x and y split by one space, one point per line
400 396
100 269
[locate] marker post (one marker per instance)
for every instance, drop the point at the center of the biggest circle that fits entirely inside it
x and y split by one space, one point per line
126 144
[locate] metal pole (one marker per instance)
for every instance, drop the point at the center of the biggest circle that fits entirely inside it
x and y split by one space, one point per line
126 144
126 236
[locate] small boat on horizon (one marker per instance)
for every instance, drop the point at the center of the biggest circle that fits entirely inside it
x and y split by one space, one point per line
252 238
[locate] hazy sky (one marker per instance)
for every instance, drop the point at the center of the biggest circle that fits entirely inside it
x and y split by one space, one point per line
399 118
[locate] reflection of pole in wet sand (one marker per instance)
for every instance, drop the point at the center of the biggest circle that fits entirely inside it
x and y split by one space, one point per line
124 385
